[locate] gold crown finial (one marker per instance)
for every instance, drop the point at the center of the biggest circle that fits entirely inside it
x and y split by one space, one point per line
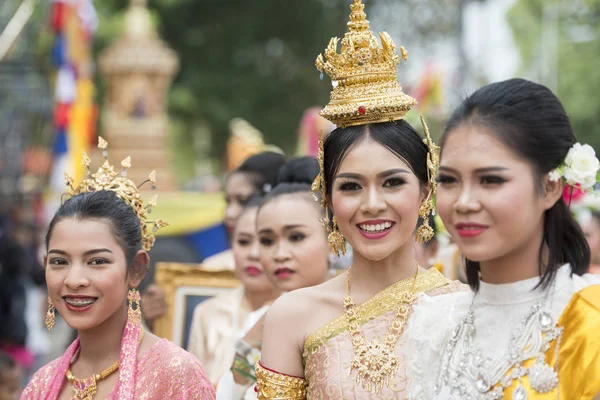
358 19
363 75
106 178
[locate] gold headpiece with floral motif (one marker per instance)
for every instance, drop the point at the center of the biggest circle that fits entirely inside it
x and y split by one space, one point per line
363 75
106 178
366 90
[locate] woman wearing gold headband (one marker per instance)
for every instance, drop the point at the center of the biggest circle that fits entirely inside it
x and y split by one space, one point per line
96 256
342 339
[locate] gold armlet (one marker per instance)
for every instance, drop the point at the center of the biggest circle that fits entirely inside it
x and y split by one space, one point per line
271 385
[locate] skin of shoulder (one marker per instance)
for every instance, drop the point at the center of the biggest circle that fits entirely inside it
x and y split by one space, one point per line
292 318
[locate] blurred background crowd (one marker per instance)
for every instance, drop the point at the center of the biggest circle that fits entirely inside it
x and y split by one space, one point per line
193 88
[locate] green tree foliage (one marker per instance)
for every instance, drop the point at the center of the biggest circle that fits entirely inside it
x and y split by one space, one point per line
575 62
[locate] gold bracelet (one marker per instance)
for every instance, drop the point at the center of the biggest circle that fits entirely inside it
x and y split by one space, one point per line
272 385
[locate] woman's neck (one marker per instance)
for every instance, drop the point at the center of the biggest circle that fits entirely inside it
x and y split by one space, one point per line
257 299
101 346
369 277
518 265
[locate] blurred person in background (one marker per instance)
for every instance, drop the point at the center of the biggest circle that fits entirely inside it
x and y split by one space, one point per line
590 224
13 303
255 176
219 322
11 378
294 253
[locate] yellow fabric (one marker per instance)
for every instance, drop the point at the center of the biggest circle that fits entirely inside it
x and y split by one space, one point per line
81 118
579 352
188 212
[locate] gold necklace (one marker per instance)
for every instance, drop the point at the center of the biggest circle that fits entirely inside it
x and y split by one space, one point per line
375 362
86 388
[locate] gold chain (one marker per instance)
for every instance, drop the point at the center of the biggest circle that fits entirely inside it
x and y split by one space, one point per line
86 388
375 362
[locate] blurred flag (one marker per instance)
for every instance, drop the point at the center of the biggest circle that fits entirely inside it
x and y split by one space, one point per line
429 92
73 23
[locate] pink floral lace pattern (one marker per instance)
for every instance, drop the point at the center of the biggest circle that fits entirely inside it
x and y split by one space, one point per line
165 371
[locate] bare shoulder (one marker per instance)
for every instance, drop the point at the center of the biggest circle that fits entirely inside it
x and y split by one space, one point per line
306 309
291 319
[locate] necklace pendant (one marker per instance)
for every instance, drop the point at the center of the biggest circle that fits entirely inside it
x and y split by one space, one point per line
482 384
520 393
543 378
375 365
84 389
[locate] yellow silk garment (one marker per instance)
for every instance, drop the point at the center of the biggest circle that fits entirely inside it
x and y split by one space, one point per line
328 352
578 354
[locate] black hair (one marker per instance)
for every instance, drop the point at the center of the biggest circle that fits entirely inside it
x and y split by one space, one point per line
262 170
529 119
296 176
399 137
6 362
104 205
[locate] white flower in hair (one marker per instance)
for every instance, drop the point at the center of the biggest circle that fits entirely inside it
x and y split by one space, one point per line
555 175
581 166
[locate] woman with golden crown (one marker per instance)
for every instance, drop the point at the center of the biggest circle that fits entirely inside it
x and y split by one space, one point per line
96 256
343 339
528 329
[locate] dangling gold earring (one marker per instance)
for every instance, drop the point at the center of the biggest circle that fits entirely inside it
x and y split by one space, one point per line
337 243
50 316
425 232
134 313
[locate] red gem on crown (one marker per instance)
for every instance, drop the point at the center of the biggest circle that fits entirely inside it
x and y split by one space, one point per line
362 110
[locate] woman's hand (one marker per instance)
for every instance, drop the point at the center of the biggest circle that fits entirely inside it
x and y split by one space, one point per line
153 304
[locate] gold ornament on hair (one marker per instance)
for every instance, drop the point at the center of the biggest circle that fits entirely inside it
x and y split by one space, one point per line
106 178
336 240
425 232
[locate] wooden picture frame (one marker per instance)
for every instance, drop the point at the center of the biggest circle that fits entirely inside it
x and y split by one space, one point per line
186 286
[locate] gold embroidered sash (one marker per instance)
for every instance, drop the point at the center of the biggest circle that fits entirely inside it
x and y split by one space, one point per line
375 307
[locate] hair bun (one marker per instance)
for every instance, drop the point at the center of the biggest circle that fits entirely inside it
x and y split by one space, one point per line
302 170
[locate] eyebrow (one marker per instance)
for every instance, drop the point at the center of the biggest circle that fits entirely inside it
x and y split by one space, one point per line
292 227
87 253
384 174
285 228
478 170
245 234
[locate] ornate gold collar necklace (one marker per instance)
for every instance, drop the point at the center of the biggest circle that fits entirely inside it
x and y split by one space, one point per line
375 362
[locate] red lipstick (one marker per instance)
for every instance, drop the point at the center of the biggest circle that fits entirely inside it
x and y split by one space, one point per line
470 229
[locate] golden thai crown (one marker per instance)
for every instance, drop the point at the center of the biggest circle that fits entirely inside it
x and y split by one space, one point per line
363 75
106 178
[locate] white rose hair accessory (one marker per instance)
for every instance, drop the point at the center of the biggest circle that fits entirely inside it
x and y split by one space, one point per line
580 167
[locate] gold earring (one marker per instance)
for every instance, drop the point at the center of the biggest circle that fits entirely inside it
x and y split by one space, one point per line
134 313
336 240
425 232
50 316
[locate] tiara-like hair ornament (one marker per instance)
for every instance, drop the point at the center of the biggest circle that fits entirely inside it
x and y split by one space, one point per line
363 75
106 178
